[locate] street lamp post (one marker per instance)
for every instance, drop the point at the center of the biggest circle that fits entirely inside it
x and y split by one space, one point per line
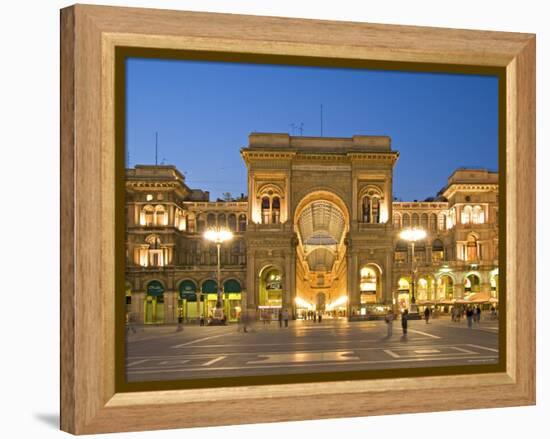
218 236
412 235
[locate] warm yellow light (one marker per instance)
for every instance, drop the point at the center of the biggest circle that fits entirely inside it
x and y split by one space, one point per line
342 300
413 234
301 303
218 235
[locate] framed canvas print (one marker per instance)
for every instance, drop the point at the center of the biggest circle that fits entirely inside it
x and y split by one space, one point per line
272 219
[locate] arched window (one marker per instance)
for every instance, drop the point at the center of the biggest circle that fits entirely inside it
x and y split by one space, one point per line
433 222
396 220
400 251
442 222
478 215
466 215
406 220
265 210
471 248
161 216
415 220
371 209
437 251
232 222
221 220
275 210
211 220
155 253
424 221
242 222
200 223
147 216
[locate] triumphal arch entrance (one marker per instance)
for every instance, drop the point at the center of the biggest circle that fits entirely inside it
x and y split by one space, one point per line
321 234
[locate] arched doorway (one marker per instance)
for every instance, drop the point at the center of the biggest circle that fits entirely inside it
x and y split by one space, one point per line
232 299
445 288
209 289
271 293
321 221
494 286
369 288
403 293
188 309
472 284
154 302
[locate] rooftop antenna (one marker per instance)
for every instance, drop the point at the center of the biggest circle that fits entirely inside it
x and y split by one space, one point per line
156 147
321 120
301 128
293 126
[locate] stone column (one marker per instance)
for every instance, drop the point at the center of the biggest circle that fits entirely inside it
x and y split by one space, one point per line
293 282
388 284
138 307
170 306
353 288
250 281
486 289
458 291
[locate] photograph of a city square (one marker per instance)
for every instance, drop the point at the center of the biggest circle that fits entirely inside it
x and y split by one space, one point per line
292 220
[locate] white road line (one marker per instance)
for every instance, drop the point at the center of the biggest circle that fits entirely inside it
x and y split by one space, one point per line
429 351
391 353
137 362
263 366
172 361
424 333
466 351
198 340
215 360
483 347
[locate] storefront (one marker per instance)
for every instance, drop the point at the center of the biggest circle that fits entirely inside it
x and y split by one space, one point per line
271 295
189 309
154 303
210 297
232 299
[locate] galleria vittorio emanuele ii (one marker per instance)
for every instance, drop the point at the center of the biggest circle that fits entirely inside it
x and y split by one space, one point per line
319 231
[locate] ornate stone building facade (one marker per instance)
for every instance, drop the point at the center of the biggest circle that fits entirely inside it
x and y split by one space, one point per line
319 230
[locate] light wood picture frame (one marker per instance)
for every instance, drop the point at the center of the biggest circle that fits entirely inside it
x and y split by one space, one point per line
90 36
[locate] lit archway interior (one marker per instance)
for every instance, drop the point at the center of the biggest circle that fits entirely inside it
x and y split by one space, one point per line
321 226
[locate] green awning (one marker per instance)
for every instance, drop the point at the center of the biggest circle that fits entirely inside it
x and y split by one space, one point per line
231 286
188 291
155 288
209 286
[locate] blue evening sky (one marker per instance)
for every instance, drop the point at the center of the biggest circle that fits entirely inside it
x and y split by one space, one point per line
204 111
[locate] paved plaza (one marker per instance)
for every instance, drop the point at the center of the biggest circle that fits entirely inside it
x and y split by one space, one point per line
163 353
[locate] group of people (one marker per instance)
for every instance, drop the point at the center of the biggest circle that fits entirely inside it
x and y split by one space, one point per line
316 316
283 317
472 314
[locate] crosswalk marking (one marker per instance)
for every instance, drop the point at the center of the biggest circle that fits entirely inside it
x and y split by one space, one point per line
215 360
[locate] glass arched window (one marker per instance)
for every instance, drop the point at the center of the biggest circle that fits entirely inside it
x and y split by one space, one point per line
200 223
161 216
232 222
424 221
478 215
433 222
265 210
275 210
437 251
406 220
400 251
147 216
466 215
397 220
415 220
371 209
221 220
471 249
211 220
242 222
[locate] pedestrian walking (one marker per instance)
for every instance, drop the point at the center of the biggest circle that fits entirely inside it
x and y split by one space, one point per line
285 317
405 321
478 314
320 317
389 323
427 315
469 316
314 316
280 319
